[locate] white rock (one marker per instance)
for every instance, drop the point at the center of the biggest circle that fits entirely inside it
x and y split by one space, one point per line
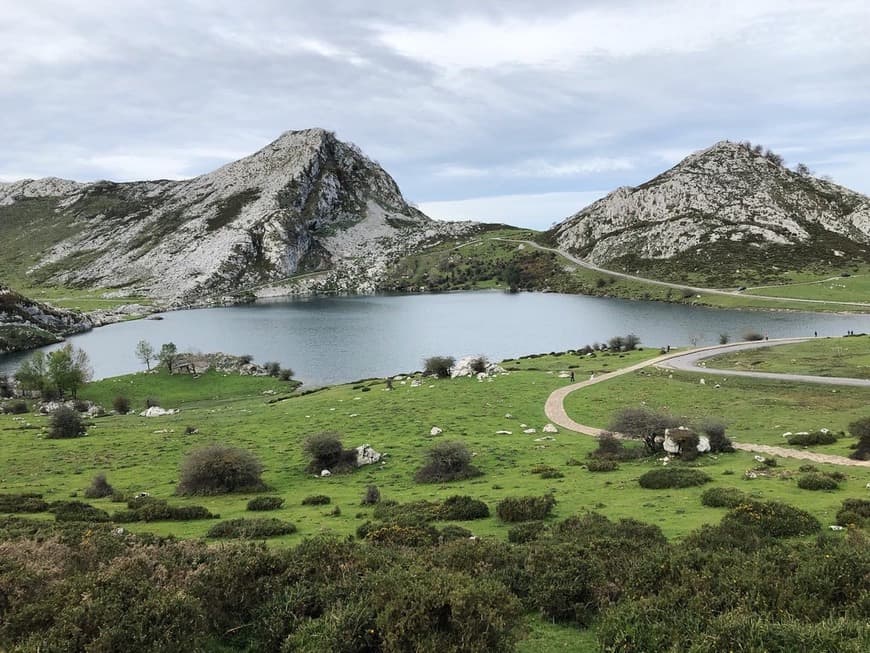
365 455
703 382
504 432
530 431
549 428
435 431
157 411
836 527
759 459
508 416
325 472
670 446
703 444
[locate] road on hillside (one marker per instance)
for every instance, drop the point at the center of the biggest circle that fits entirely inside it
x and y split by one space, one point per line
677 286
554 408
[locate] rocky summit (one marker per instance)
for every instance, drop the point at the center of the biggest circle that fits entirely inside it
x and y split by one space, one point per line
307 213
725 214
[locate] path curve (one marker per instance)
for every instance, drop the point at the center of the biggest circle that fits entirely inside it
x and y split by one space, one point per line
554 408
676 286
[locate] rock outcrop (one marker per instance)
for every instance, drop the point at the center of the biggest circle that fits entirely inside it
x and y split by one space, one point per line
25 323
306 213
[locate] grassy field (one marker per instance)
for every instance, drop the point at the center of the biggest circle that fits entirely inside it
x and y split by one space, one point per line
852 288
143 454
847 357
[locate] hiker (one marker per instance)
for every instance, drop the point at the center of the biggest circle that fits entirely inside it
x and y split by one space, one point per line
572 376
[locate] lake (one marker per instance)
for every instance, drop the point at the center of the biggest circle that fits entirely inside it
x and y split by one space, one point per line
328 340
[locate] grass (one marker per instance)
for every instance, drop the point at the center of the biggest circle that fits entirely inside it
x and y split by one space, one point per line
141 454
847 357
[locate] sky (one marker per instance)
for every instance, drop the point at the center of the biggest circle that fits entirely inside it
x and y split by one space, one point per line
499 110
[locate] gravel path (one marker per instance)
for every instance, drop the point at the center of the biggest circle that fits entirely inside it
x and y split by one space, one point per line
554 408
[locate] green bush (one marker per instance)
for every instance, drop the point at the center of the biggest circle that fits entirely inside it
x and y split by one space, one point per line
772 519
526 532
316 500
810 439
326 452
121 405
251 528
861 430
447 461
265 503
715 432
462 508
99 488
723 497
817 481
398 535
602 465
672 477
220 469
372 496
152 510
77 511
562 582
545 471
517 509
27 502
439 366
17 407
854 511
65 423
453 532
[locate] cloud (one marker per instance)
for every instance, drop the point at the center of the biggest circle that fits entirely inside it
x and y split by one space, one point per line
539 168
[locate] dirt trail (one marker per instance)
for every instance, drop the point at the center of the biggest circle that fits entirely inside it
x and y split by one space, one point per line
554 408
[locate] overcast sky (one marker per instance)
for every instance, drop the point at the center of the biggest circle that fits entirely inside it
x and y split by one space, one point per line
503 110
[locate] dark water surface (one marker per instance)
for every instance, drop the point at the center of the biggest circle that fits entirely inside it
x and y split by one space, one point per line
337 339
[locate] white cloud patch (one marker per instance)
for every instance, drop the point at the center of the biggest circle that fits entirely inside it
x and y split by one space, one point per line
539 169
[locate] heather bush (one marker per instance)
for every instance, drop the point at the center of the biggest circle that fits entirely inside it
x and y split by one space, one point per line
462 508
518 509
526 532
772 518
326 451
251 528
723 497
66 423
602 465
672 477
316 500
447 461
372 495
220 469
77 511
813 438
854 511
265 503
99 488
817 481
26 502
121 405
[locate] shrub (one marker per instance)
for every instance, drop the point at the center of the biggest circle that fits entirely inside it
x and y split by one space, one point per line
816 481
672 477
643 424
854 511
251 528
861 430
286 374
77 511
463 508
219 469
272 368
17 407
723 497
478 364
551 473
453 532
773 519
265 503
99 488
517 509
447 461
316 500
27 502
326 452
246 359
372 496
152 510
439 366
526 532
398 535
602 465
121 405
65 423
715 432
687 440
809 439
753 336
562 581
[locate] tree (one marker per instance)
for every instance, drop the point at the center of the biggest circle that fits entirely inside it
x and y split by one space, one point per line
803 169
447 461
66 423
861 430
32 374
439 365
644 424
167 355
68 368
218 469
145 353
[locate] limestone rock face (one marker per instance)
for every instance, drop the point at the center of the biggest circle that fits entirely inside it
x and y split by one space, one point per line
722 199
25 323
365 455
306 203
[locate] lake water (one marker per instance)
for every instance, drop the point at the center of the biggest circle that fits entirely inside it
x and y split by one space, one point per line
336 339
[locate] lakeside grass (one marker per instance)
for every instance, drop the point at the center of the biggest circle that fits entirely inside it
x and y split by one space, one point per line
845 357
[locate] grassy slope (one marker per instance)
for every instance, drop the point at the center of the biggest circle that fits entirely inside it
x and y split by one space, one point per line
144 454
849 357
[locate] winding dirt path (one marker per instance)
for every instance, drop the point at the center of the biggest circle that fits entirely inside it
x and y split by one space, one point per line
554 408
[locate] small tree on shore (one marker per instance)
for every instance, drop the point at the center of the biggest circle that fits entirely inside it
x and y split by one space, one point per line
168 352
439 365
145 353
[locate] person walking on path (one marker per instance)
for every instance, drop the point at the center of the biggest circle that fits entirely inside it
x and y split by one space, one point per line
572 376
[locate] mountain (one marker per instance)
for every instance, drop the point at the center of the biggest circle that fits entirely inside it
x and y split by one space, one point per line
727 214
306 203
25 323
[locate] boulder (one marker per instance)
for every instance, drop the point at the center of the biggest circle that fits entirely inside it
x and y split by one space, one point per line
504 433
530 431
157 411
463 367
435 431
549 428
365 455
324 473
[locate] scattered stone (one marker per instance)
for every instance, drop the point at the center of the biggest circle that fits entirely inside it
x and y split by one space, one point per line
416 383
564 375
464 367
836 527
508 416
435 431
530 431
504 432
759 459
157 411
546 438
703 382
549 428
325 473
